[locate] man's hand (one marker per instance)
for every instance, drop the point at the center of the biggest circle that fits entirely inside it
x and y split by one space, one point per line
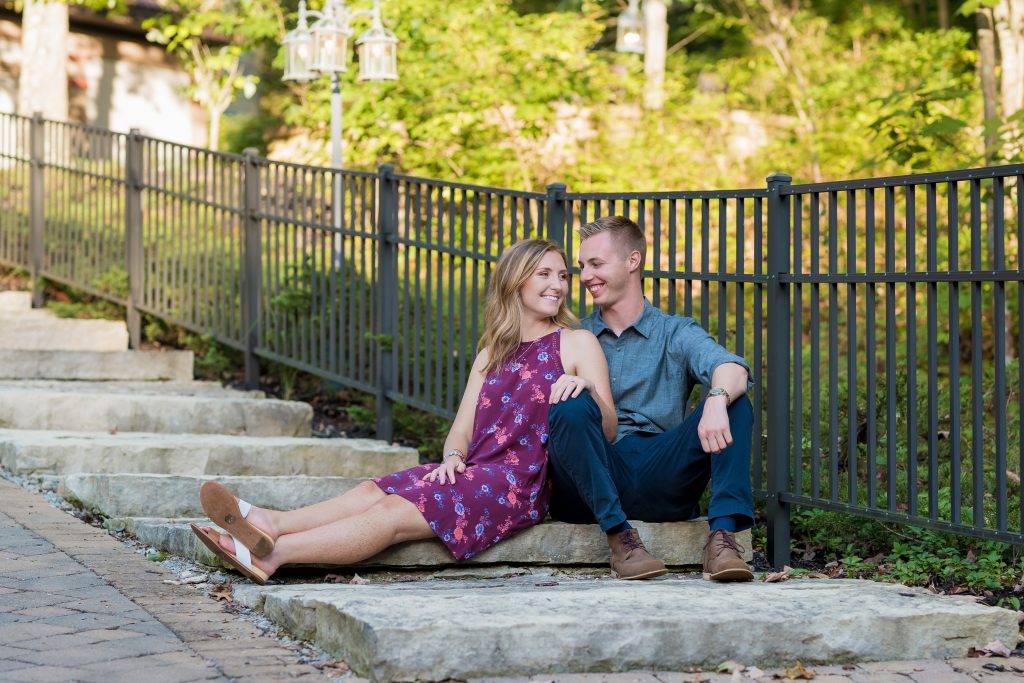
445 472
713 428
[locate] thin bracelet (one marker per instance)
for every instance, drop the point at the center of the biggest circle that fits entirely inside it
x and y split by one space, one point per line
457 453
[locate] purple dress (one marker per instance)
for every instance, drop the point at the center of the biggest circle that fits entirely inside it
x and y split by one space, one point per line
505 487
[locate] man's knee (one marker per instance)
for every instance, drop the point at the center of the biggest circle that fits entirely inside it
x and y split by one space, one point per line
574 412
741 410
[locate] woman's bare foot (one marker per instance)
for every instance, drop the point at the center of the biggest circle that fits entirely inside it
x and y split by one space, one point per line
262 563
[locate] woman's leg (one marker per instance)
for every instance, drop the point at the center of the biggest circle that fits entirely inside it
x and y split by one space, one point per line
278 523
345 541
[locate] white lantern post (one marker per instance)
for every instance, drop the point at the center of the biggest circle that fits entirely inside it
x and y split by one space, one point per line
323 49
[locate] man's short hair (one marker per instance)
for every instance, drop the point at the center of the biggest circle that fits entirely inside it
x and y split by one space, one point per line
625 232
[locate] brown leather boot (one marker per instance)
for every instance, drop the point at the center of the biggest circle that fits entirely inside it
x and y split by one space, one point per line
630 559
723 558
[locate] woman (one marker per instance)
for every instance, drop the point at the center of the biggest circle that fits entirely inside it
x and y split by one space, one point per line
493 480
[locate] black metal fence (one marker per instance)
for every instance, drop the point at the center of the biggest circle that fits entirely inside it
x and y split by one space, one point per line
881 386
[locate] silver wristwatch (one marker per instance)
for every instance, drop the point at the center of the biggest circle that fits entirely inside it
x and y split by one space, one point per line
719 391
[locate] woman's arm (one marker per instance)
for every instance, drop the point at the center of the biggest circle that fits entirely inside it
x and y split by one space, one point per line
583 358
461 431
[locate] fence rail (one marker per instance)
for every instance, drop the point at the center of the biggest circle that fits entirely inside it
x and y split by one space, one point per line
888 383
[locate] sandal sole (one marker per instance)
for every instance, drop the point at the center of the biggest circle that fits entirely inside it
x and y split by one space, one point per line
221 506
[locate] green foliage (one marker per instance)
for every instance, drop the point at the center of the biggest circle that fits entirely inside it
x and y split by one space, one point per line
909 555
213 360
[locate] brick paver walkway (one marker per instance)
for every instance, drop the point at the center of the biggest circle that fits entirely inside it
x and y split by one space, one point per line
77 605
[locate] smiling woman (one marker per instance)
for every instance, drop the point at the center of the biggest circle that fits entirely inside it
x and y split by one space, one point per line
494 479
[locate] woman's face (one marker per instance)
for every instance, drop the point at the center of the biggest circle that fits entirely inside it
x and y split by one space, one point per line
545 290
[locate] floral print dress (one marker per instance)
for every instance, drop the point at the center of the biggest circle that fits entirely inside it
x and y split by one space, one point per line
505 487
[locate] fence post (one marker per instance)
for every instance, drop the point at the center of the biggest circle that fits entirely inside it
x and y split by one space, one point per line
387 287
556 214
251 268
37 150
133 234
777 376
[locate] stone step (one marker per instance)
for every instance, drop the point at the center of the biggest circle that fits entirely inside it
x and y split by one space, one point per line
58 334
168 495
88 411
441 629
131 388
677 544
20 364
15 302
34 453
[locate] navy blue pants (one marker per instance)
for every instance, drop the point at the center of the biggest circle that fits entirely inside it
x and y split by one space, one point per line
653 478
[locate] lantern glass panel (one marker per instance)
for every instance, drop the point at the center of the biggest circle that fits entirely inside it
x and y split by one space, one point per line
630 34
298 56
378 55
330 48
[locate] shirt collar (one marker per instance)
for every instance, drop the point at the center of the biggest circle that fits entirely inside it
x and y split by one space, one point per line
644 324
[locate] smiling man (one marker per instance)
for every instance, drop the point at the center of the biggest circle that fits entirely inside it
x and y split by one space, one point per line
661 459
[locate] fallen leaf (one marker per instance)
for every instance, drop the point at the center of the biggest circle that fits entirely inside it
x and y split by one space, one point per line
729 667
753 672
339 666
993 649
222 592
798 672
776 577
816 575
359 581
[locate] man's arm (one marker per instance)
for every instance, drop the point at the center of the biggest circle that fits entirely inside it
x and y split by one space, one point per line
713 428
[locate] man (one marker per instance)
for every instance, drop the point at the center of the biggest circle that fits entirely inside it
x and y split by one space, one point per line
661 459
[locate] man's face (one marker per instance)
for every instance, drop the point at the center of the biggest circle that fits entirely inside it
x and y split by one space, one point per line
604 268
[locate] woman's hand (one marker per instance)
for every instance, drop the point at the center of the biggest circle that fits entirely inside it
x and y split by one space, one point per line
445 472
568 386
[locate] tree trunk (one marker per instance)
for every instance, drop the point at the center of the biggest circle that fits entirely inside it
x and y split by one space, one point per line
214 141
43 84
655 48
944 15
1008 17
987 72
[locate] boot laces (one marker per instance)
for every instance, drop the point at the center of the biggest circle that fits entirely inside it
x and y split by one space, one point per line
631 540
724 541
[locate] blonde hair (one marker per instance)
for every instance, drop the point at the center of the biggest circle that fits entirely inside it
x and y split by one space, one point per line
503 313
625 232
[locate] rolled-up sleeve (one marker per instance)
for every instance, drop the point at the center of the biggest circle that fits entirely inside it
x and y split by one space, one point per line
700 354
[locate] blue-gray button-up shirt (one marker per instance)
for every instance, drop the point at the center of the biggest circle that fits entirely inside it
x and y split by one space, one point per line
654 365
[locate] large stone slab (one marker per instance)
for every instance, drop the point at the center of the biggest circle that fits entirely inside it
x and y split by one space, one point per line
57 334
164 495
678 544
86 411
15 302
52 453
435 630
130 387
174 366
